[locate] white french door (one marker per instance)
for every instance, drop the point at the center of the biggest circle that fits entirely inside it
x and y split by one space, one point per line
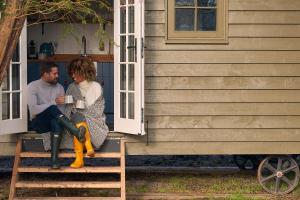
13 98
129 66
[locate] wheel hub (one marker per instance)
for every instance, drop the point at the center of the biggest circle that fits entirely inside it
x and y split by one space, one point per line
279 174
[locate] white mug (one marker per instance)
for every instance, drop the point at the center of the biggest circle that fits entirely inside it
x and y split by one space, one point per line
68 99
80 104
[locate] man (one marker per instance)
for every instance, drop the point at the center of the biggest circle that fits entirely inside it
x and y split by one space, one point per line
45 102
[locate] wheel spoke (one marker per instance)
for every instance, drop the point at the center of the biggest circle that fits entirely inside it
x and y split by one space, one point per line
288 181
279 164
277 185
268 178
270 167
289 169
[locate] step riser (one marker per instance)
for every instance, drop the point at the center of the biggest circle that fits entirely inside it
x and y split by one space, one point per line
70 170
67 155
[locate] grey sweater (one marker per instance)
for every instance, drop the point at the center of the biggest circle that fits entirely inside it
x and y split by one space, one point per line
41 95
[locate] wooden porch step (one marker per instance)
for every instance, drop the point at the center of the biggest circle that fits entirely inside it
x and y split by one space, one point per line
16 183
68 198
67 155
108 169
68 184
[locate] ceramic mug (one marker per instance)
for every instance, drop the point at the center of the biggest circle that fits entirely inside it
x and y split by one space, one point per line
80 104
69 99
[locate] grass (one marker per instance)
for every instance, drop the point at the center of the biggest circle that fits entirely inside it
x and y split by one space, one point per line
239 186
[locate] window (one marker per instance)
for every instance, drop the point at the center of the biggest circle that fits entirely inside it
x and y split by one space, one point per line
196 21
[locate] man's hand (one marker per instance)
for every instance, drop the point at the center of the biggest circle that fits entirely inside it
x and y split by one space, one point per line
60 100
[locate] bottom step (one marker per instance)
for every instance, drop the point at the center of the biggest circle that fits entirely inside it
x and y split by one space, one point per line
67 184
68 198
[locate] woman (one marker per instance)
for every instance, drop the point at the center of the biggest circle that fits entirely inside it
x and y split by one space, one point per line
92 117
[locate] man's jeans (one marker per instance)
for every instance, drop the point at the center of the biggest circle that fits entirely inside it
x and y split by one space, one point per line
47 121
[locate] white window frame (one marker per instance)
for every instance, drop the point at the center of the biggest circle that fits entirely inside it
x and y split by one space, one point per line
10 126
131 126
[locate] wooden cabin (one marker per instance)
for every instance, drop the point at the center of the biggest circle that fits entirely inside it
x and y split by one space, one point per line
222 81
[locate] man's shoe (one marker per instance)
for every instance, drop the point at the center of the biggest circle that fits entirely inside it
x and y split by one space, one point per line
55 143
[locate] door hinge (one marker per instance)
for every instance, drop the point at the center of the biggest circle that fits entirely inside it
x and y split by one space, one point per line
142 113
142 47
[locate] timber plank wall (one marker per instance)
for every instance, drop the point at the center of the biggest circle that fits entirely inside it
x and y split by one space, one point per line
237 98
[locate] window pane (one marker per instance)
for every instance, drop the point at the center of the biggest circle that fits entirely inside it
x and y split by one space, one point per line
131 105
16 105
131 48
131 77
123 77
206 20
5 106
5 82
15 77
184 19
184 3
130 1
131 19
123 49
207 3
16 55
123 20
122 2
123 105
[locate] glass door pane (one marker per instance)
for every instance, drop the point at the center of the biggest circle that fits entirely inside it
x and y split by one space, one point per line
127 58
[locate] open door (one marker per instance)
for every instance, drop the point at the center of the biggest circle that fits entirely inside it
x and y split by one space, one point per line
129 66
13 101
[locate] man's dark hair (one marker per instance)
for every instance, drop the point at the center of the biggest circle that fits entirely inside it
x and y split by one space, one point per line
47 67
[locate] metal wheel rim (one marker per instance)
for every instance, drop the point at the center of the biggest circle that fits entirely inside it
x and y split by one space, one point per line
278 174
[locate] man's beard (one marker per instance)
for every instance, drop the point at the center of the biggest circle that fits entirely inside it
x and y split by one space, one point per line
53 82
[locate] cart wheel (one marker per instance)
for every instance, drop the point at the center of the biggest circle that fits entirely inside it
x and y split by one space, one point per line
278 174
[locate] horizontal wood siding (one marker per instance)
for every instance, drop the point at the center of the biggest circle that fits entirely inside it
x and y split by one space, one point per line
237 98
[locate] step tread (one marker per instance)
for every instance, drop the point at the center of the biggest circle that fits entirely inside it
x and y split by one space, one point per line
46 169
67 198
67 155
68 184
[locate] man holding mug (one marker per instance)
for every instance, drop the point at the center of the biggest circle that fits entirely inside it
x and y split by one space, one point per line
46 103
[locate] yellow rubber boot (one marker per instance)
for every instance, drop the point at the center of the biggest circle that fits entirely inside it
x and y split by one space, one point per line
88 144
78 148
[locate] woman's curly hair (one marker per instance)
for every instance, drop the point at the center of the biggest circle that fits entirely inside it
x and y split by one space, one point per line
83 66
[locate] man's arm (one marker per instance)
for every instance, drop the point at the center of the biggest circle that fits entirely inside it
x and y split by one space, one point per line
34 108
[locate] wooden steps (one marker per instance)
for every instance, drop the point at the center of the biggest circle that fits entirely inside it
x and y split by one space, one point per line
17 183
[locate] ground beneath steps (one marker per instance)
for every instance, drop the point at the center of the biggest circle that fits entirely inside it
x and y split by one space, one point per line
229 185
